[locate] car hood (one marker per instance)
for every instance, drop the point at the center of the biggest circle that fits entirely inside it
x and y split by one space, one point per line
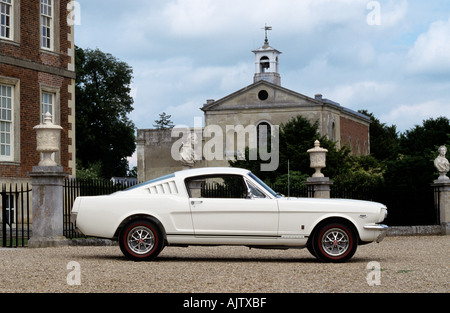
340 202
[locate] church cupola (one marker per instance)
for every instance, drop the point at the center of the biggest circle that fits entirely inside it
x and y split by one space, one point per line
266 62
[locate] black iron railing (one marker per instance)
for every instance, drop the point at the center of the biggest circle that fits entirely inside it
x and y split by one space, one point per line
74 188
16 215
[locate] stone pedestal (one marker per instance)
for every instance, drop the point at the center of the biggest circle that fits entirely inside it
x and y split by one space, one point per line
320 186
47 207
443 188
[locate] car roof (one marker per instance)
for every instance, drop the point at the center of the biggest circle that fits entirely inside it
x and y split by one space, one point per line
191 173
210 171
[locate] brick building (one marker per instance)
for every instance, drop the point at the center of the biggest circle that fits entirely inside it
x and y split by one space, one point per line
37 75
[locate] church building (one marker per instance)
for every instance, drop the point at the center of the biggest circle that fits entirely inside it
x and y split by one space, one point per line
263 103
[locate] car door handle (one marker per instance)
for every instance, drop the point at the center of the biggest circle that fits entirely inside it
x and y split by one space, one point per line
196 202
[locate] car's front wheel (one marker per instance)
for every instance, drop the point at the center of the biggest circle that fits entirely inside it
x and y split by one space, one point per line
334 242
141 240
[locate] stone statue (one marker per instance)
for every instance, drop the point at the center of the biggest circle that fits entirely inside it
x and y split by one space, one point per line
187 151
442 164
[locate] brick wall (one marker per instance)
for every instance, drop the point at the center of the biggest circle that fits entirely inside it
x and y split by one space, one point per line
355 135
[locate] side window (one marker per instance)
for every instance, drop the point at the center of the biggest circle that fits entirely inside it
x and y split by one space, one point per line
217 186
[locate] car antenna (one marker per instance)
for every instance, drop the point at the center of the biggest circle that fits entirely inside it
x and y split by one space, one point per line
289 182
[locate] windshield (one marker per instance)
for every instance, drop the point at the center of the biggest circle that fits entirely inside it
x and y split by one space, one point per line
263 184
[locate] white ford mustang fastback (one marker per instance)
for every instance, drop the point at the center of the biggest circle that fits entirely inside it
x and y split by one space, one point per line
226 206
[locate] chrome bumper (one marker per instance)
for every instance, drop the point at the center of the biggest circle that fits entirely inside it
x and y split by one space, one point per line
73 220
380 227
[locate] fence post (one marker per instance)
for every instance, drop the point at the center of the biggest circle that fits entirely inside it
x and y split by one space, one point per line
442 189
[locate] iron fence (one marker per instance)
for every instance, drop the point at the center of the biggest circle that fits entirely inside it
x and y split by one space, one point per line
74 188
16 215
405 205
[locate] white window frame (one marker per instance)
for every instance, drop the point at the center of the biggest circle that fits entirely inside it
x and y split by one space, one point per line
4 15
7 128
47 14
55 95
48 105
268 134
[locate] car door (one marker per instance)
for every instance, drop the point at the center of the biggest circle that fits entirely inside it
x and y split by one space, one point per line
221 206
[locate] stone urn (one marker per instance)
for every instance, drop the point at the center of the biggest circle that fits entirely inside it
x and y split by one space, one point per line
48 140
318 157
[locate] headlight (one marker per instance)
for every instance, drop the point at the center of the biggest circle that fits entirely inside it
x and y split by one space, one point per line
383 214
73 217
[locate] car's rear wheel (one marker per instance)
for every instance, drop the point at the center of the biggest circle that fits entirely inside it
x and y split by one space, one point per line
334 242
141 240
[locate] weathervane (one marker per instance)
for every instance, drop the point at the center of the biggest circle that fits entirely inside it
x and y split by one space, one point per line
267 28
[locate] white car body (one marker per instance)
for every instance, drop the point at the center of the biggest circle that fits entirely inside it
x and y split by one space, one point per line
184 219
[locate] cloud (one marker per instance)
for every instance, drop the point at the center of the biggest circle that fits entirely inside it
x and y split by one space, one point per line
358 94
180 87
186 51
406 116
205 17
430 54
393 12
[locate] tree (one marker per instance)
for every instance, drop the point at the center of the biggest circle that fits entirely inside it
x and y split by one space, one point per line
164 121
420 139
414 168
297 136
104 133
384 140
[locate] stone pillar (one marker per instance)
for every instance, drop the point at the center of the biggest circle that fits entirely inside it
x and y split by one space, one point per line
48 182
47 207
442 188
320 184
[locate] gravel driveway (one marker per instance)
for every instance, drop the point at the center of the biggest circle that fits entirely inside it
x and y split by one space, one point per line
407 264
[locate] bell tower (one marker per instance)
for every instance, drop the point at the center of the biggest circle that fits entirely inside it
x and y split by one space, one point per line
266 62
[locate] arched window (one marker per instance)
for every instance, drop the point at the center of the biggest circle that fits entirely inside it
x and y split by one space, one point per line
333 132
264 132
265 64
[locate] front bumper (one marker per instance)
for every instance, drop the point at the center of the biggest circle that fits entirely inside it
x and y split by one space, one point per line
73 220
379 227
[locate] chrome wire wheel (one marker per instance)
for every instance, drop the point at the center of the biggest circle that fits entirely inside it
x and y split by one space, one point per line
141 240
335 242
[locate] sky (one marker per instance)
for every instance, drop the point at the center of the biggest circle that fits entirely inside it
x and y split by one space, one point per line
389 57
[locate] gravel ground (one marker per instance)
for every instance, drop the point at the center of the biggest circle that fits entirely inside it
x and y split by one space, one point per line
408 265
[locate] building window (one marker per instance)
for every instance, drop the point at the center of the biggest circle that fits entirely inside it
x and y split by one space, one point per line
264 133
6 123
47 24
47 105
6 19
265 64
333 132
263 95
